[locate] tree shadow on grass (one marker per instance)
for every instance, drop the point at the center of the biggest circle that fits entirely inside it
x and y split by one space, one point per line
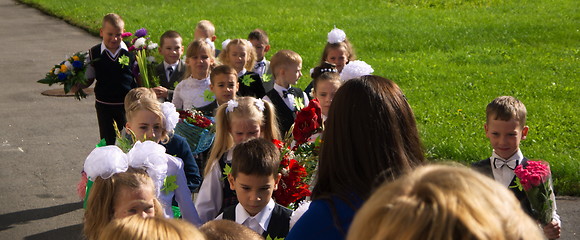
8 220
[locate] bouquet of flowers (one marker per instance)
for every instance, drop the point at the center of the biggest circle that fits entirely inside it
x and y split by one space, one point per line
69 73
197 129
292 186
144 50
535 180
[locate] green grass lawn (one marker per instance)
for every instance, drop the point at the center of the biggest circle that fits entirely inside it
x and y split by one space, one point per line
451 58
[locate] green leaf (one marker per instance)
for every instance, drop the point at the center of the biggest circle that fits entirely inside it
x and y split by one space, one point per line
266 78
208 95
227 171
247 80
101 143
299 102
169 184
175 84
124 60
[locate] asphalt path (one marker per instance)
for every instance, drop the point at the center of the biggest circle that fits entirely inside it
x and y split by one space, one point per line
44 140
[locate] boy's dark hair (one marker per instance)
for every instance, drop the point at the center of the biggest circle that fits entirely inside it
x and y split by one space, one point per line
168 34
222 69
259 35
506 108
257 156
115 20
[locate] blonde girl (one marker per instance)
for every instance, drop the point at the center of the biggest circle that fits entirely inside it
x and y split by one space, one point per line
146 120
138 228
190 92
236 121
240 55
118 190
443 202
149 120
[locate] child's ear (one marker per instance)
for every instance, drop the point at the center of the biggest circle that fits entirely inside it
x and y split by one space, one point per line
266 48
101 32
232 180
213 38
277 180
524 132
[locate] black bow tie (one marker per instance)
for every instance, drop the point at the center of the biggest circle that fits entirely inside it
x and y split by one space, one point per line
259 65
285 93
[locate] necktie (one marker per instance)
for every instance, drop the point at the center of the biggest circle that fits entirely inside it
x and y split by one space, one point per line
511 164
170 71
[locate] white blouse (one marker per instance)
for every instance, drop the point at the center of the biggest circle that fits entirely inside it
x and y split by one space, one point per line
189 93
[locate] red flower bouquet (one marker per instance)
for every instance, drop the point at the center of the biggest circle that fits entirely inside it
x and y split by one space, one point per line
308 122
197 129
535 180
292 186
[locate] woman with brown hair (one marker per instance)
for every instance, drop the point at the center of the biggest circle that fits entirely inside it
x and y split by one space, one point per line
370 137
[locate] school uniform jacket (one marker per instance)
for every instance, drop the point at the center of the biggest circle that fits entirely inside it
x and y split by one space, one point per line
484 167
176 77
253 89
284 114
279 225
114 80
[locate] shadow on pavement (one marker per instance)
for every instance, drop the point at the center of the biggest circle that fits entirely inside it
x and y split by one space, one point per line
70 232
9 219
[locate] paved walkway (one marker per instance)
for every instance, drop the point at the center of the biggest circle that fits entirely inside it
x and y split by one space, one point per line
44 140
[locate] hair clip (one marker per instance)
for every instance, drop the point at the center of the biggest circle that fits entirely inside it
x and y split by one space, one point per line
328 70
259 103
225 43
231 105
170 115
210 43
105 161
336 36
355 69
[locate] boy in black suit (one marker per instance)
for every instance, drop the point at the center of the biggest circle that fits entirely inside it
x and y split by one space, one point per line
171 71
286 67
506 127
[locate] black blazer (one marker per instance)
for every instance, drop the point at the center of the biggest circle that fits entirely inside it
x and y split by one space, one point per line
170 84
484 167
254 89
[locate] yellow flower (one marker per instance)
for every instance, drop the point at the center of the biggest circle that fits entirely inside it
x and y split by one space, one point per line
76 58
63 68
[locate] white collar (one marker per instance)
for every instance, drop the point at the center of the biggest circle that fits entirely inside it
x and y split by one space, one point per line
241 73
230 155
166 65
123 46
517 156
280 89
263 216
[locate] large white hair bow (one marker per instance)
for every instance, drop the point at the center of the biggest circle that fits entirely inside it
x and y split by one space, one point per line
355 69
336 35
105 161
171 116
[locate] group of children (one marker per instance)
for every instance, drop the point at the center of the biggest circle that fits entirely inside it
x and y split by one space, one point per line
249 113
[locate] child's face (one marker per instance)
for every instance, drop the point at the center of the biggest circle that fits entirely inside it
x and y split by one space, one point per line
338 57
146 125
172 50
244 129
111 36
289 75
253 191
130 201
261 49
324 92
505 136
238 56
199 64
224 87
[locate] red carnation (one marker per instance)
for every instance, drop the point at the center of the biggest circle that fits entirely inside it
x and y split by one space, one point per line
307 122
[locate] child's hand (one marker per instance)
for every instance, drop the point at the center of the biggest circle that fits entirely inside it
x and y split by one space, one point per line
160 91
552 230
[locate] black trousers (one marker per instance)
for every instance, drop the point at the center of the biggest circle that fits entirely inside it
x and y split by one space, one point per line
106 114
